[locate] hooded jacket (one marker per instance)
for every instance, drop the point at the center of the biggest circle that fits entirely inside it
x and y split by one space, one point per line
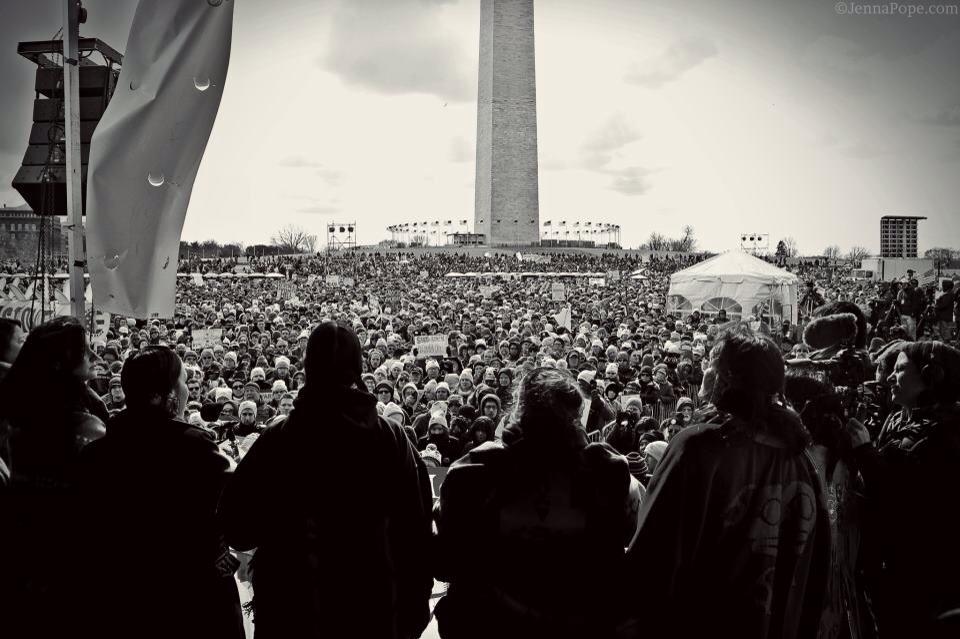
734 534
339 552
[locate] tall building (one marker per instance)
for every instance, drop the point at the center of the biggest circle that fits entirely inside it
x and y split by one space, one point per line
507 209
20 230
898 235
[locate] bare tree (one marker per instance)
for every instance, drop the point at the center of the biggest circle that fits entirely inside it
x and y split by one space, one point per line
687 241
310 243
832 252
941 255
291 239
857 253
657 242
790 245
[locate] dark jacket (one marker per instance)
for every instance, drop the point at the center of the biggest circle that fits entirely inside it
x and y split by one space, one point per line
734 538
336 501
916 458
153 554
532 543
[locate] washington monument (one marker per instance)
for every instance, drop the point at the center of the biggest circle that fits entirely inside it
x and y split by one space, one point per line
507 208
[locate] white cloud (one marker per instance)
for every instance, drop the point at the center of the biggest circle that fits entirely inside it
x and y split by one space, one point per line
319 209
296 162
398 47
680 57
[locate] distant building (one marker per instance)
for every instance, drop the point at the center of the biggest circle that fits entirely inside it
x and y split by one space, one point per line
20 230
898 235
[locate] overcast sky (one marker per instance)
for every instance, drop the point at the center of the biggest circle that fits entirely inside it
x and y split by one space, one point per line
784 118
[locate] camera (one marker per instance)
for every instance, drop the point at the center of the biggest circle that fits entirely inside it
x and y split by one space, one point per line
627 419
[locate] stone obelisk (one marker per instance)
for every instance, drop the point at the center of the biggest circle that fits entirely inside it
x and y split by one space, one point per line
507 206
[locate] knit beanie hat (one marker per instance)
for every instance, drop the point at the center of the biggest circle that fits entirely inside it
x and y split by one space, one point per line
438 418
247 405
451 380
490 396
431 456
222 393
611 368
394 413
442 386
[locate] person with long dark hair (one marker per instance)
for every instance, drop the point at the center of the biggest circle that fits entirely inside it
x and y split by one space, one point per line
148 496
906 471
531 532
734 536
45 407
341 549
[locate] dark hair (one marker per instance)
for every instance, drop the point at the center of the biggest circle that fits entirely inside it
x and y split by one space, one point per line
44 369
819 406
548 407
750 376
942 377
150 373
41 395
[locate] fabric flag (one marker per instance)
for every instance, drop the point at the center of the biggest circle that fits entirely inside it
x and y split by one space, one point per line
147 148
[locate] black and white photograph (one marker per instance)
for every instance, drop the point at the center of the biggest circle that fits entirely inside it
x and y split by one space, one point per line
479 319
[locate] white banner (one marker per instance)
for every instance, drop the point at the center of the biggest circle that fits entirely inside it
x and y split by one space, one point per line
28 313
597 281
431 345
147 148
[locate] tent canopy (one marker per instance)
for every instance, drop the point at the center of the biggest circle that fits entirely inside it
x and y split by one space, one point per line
737 282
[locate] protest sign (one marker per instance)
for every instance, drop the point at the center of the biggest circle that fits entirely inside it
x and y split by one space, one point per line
597 281
332 280
207 337
431 345
558 292
489 290
285 290
613 276
347 281
311 279
197 279
437 475
101 324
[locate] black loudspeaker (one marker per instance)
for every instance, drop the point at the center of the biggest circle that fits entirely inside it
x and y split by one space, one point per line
41 179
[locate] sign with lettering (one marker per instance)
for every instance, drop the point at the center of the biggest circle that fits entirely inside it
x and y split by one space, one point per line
558 292
437 475
431 345
332 280
597 281
207 337
347 281
489 290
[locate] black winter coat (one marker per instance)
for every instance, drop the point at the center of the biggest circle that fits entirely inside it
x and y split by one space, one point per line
155 562
337 503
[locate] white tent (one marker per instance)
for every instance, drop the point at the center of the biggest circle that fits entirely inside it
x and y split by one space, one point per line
737 282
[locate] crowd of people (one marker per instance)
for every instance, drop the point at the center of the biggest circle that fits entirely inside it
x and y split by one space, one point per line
612 469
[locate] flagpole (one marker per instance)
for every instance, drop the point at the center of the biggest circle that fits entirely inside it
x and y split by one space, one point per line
71 121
